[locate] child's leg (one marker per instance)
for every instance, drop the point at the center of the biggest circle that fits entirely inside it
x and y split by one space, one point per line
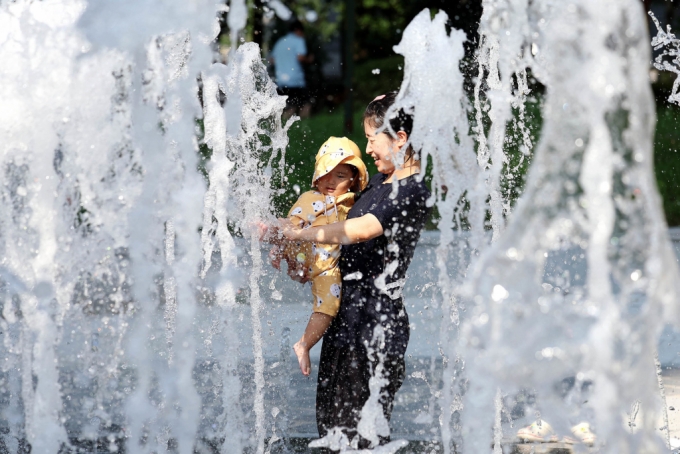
316 327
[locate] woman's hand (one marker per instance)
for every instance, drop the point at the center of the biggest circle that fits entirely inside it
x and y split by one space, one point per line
288 229
351 231
269 233
263 231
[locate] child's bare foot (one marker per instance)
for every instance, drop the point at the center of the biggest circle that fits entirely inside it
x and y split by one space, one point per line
302 353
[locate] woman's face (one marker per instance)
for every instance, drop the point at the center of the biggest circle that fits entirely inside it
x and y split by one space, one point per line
382 148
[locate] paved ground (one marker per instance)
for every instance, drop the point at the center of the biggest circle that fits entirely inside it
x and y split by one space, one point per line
290 397
415 416
671 381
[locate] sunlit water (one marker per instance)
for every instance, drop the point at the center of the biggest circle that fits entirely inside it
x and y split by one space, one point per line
138 311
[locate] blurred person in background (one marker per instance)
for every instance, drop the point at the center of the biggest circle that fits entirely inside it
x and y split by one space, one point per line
288 56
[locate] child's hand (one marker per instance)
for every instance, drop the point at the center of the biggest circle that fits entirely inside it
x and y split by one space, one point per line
265 232
297 271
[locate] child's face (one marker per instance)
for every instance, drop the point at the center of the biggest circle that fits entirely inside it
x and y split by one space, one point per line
336 182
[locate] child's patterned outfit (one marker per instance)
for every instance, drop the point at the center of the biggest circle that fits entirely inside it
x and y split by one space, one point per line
321 260
315 209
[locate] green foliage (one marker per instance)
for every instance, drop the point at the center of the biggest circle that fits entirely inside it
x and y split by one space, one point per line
329 19
380 23
375 77
519 158
667 160
204 152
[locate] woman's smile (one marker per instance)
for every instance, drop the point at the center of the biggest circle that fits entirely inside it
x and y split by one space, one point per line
381 148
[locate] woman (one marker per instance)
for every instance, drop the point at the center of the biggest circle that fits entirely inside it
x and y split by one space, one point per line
371 331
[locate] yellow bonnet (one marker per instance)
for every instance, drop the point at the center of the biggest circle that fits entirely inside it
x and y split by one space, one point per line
339 150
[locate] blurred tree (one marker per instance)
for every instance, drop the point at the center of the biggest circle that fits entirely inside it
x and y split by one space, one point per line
323 21
380 23
322 18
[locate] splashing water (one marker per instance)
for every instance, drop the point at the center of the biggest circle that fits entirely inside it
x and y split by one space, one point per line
116 312
590 204
164 407
573 288
670 45
99 160
372 422
503 29
251 118
441 131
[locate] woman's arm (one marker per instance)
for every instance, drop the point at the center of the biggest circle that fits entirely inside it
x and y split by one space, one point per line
351 231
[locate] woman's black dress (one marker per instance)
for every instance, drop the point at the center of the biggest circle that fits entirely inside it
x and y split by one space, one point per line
373 277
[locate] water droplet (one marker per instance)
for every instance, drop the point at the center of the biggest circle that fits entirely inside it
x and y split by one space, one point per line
534 49
499 293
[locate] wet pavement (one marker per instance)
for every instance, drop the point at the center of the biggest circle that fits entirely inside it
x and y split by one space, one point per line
415 416
671 383
290 397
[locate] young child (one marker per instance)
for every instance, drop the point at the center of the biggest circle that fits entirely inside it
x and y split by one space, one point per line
339 172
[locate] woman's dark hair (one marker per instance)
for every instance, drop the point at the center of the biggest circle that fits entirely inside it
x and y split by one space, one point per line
296 25
377 110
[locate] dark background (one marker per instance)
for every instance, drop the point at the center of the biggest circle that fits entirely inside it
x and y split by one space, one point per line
378 26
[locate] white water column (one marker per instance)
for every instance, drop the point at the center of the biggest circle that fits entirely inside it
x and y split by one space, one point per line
590 200
246 137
